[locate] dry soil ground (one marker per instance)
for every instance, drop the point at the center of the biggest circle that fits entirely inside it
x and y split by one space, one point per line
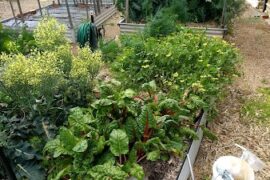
252 36
27 5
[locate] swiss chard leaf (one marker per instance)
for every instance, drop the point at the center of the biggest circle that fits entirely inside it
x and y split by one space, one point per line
118 142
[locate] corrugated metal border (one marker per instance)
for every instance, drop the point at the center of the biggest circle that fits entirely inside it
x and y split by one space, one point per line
105 15
185 170
133 28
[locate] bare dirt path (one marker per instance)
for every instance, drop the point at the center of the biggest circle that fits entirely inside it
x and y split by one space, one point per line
27 5
252 36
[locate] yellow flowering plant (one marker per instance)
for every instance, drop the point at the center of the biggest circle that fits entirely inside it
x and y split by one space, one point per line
50 69
50 34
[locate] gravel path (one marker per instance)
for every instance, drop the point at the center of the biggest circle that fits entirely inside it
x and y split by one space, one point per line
252 36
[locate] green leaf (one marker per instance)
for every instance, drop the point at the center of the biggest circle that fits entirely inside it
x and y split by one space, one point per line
68 140
150 86
169 104
99 145
129 93
190 133
146 118
52 145
103 102
81 146
207 133
61 173
118 142
132 129
153 156
134 169
80 119
107 171
137 171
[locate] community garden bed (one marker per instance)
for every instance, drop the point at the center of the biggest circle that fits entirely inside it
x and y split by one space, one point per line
61 118
212 31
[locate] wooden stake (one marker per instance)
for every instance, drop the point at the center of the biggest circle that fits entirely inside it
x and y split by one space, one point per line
98 6
69 15
95 7
224 10
20 10
39 6
87 12
12 9
127 10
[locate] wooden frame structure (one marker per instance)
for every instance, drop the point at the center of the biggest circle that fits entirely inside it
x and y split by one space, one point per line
96 3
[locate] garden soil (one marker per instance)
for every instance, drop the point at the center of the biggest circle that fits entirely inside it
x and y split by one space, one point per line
251 35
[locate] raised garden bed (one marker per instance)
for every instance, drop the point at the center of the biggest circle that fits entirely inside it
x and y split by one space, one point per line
133 28
177 168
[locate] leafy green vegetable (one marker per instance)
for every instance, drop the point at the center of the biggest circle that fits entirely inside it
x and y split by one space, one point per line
107 171
118 142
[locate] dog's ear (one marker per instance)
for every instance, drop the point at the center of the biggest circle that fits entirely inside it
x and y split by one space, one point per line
255 163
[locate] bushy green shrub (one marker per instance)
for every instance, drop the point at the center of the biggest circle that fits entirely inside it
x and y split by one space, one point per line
14 41
140 10
163 24
49 72
183 63
50 34
185 10
36 92
109 50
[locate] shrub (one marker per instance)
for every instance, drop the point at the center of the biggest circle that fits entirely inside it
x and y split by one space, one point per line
25 78
36 92
185 10
14 41
52 71
50 34
182 64
163 24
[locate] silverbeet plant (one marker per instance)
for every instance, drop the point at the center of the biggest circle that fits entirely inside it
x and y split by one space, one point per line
109 139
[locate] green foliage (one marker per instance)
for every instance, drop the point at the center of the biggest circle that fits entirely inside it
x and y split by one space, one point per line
109 50
186 65
24 160
257 109
50 34
36 92
163 24
45 74
118 142
139 10
103 129
184 10
15 41
121 127
107 171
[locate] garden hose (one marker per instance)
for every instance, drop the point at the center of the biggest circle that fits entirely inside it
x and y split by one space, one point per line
87 33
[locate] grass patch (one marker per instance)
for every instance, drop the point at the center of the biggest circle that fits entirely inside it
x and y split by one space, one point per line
258 108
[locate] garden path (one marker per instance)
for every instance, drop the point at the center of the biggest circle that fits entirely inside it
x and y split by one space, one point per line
251 35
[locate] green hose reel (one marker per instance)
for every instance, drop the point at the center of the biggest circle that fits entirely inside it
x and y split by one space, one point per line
87 33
